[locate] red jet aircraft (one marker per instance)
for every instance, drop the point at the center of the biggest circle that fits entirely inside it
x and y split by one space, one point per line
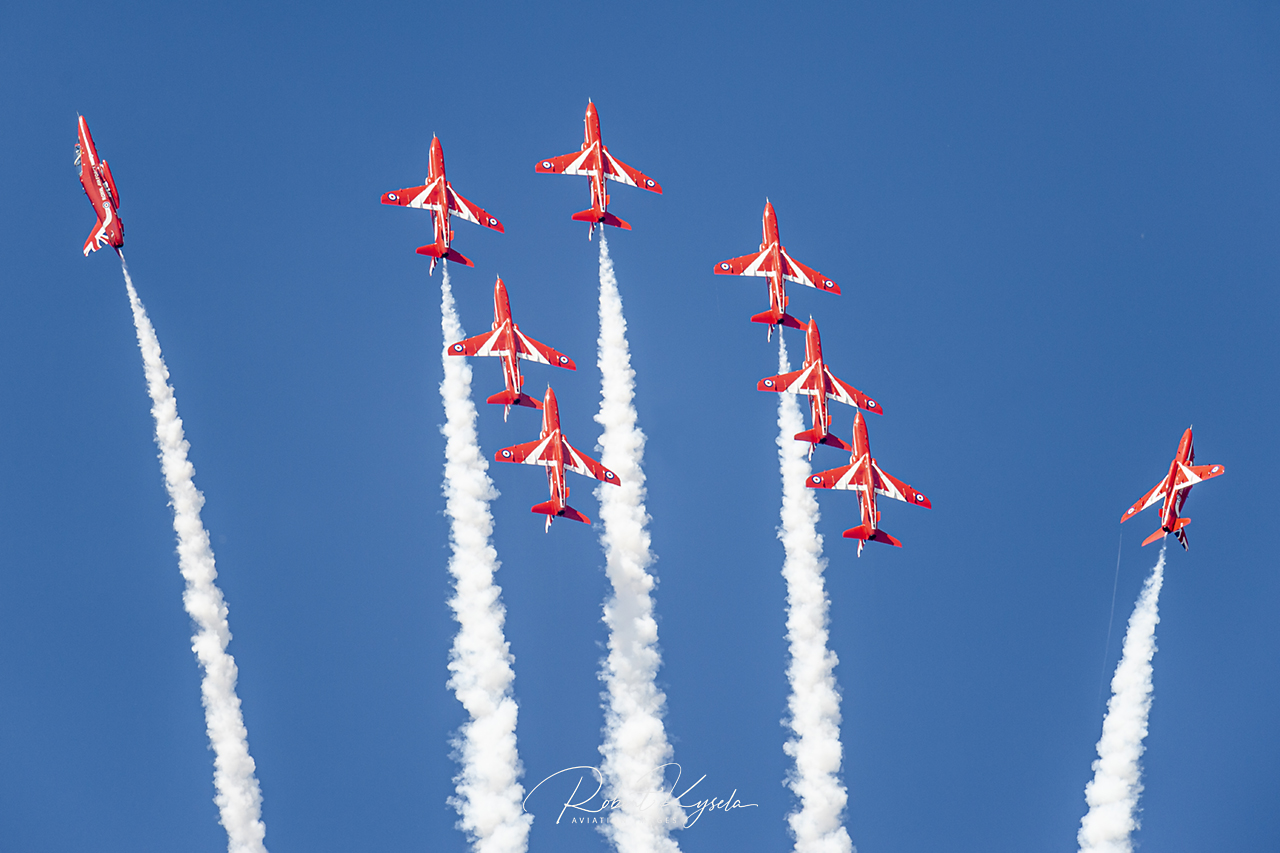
595 161
863 474
553 451
100 187
773 262
439 197
1173 490
817 380
510 344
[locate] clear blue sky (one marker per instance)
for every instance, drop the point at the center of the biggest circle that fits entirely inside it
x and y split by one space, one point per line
1055 228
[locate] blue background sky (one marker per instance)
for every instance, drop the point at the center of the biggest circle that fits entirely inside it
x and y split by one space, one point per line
1055 231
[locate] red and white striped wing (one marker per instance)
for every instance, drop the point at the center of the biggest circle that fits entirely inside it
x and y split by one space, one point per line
847 477
529 453
757 264
421 197
580 463
1189 475
843 392
795 382
490 343
616 170
528 348
808 276
892 487
472 212
1151 498
576 163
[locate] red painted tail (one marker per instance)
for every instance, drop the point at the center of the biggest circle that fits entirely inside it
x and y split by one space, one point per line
813 437
435 250
510 398
595 214
773 319
549 508
866 534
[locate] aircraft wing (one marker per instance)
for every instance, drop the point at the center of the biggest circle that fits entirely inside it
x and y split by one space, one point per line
471 212
844 477
891 487
487 344
528 348
581 463
529 453
793 382
616 170
1149 499
1188 476
745 265
414 197
807 276
843 392
574 163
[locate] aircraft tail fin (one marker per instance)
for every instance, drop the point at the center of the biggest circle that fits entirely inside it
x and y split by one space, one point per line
813 436
866 534
774 319
548 508
511 398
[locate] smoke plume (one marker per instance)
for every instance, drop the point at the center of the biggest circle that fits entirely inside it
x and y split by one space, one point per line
635 747
489 796
814 704
237 794
1113 793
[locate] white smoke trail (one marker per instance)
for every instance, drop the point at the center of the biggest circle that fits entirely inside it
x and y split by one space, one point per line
814 704
238 796
1113 793
489 796
635 747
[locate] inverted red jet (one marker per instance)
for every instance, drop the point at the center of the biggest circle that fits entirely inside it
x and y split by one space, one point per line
100 187
817 380
773 262
439 197
1173 490
595 161
554 452
864 475
510 344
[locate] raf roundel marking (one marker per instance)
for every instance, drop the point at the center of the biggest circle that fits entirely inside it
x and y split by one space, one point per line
492 221
920 498
564 359
831 284
871 404
817 479
458 347
1130 512
768 383
506 453
608 475
724 266
1213 470
546 164
393 196
649 182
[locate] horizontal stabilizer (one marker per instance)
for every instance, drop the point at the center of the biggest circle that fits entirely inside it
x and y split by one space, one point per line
589 215
775 320
549 508
511 398
1159 534
813 436
434 250
866 534
610 219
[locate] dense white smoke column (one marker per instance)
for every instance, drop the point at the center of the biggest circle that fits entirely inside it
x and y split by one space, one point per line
814 704
635 746
1113 793
237 794
489 795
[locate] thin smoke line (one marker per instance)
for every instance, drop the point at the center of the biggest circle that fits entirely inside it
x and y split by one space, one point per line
1106 649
